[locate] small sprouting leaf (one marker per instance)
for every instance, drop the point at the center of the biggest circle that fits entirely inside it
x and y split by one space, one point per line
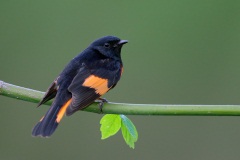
110 124
129 131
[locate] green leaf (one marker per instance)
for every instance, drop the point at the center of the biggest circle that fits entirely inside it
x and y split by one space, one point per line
110 125
129 131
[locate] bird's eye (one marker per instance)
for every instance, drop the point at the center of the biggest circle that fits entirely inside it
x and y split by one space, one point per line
106 45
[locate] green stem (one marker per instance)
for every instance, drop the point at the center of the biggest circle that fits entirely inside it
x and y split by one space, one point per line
30 95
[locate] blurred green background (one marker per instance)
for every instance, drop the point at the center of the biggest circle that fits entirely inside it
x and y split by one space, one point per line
179 52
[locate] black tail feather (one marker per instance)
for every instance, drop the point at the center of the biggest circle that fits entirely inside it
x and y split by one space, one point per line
39 130
47 125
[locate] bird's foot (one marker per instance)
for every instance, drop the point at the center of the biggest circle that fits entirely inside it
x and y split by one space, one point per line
101 102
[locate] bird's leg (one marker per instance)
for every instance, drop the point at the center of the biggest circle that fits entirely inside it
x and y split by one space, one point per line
101 102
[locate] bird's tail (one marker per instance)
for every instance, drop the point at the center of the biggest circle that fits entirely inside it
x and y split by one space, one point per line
48 123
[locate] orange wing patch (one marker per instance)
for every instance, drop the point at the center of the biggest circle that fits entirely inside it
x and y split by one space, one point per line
63 110
99 84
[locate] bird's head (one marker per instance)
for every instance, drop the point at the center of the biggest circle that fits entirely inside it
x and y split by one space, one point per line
109 46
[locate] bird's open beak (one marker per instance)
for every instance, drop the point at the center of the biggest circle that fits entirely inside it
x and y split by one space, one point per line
121 42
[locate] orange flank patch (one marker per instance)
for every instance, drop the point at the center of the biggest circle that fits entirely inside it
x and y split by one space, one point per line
63 110
99 84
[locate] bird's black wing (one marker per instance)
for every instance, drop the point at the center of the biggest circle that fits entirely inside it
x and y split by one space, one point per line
50 93
90 84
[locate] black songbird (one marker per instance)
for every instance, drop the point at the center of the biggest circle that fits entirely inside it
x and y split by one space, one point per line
85 79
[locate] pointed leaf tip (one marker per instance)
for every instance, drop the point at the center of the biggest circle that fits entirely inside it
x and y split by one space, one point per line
129 131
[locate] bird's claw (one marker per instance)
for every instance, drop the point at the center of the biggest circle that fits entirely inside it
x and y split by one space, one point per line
101 102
